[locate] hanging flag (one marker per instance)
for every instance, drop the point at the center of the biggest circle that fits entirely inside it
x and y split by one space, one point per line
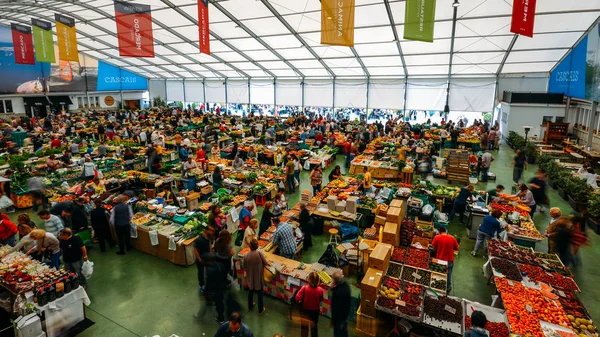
203 29
67 38
22 44
337 22
134 27
523 15
42 40
419 20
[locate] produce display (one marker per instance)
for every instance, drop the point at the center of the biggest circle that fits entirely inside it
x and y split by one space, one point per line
505 208
439 283
418 258
512 252
438 267
555 280
416 275
390 288
507 268
399 255
443 308
407 231
519 310
495 329
394 270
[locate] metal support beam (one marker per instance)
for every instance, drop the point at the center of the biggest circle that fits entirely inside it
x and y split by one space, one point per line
405 95
226 98
300 39
592 121
184 100
362 65
240 24
508 50
368 85
204 91
249 97
302 84
333 94
396 36
166 92
576 42
453 36
567 108
275 94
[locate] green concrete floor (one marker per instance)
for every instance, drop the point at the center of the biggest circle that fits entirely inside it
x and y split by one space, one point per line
142 295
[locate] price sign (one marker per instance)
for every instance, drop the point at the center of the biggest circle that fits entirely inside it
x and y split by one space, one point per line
510 283
450 309
416 276
445 263
561 293
401 303
529 308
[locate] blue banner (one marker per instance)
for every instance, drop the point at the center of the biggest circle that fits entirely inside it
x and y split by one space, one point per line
111 78
569 76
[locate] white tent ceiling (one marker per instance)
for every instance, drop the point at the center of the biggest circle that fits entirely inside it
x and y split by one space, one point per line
281 38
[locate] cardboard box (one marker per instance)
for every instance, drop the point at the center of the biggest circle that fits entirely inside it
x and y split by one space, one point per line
382 209
367 307
380 256
351 203
331 202
341 206
379 221
399 204
370 284
366 324
395 215
391 233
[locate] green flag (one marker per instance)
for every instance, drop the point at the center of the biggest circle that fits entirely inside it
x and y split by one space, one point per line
42 41
419 20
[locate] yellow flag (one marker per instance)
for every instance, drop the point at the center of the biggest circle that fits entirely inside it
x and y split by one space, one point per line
67 38
337 22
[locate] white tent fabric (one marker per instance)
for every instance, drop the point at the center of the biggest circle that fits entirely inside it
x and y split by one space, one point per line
262 92
386 94
352 94
318 93
281 38
157 89
237 91
175 90
215 91
194 91
426 94
289 92
472 94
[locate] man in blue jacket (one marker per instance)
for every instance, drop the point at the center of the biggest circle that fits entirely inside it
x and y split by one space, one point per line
234 328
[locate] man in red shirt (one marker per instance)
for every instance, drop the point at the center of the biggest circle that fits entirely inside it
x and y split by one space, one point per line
347 148
55 143
319 139
444 246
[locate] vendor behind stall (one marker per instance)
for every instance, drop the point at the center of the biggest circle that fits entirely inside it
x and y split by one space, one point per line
284 238
444 246
461 197
490 226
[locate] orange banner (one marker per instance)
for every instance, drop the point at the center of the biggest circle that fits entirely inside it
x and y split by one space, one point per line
67 38
337 22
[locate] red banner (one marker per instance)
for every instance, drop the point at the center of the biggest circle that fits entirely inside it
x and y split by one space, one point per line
203 29
23 44
523 15
134 28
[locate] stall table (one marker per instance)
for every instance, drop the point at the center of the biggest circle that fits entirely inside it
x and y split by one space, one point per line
183 255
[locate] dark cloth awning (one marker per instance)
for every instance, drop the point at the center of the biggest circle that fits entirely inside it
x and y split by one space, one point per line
36 101
60 100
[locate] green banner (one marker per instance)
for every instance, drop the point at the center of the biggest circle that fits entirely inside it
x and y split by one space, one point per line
42 40
419 20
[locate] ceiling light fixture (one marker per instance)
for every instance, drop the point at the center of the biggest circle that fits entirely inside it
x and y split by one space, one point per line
456 3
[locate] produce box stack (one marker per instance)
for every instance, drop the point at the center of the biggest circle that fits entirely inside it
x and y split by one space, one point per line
380 216
380 256
369 288
351 203
306 196
391 234
331 202
407 232
397 203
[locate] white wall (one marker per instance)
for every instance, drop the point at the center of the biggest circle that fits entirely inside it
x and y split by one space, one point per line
514 116
134 95
17 104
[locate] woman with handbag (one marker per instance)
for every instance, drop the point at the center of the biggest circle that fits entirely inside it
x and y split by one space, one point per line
310 297
255 264
316 178
47 244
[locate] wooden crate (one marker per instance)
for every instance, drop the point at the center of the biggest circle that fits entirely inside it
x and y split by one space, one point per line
366 324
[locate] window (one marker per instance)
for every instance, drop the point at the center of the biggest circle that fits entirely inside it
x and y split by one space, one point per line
79 102
560 119
97 101
547 119
1 107
85 102
6 106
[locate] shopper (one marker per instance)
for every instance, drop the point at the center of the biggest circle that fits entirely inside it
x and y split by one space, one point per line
494 194
486 163
79 219
74 253
461 197
490 226
250 233
340 305
537 186
8 231
310 297
280 203
217 179
335 173
99 219
445 245
306 225
120 217
201 249
519 165
297 168
25 241
255 263
290 169
284 238
527 198
316 178
224 250
478 322
246 215
558 222
24 220
265 221
366 182
89 169
579 238
47 244
52 223
234 328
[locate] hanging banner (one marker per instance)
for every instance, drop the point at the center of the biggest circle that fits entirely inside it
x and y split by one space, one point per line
42 40
67 38
203 29
523 15
337 22
134 28
419 20
23 44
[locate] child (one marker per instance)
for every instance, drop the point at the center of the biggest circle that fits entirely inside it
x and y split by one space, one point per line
478 321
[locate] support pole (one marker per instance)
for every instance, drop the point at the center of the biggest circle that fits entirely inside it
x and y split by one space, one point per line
302 84
368 85
591 122
226 99
204 93
405 97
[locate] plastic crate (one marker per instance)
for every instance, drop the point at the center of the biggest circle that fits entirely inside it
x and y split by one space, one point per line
354 304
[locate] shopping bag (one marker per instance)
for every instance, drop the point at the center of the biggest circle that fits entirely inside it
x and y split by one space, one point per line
153 237
268 274
281 185
5 202
172 244
296 183
239 238
87 269
133 232
306 165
